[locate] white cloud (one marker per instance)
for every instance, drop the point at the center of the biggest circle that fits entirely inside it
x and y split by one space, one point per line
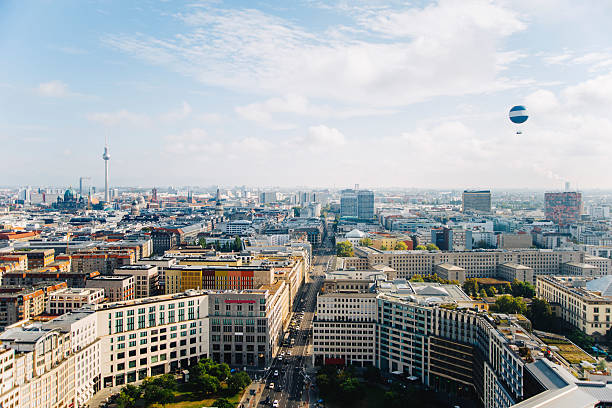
121 117
177 114
54 89
395 58
324 137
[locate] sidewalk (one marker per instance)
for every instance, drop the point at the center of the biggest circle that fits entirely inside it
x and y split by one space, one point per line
251 401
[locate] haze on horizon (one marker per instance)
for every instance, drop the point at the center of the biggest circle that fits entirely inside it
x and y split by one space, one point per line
313 93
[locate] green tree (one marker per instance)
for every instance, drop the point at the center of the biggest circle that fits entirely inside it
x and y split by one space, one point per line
344 249
601 365
470 286
237 244
350 387
223 403
505 288
491 291
209 384
540 314
153 393
421 248
522 289
202 242
238 381
372 374
221 371
365 242
416 278
482 293
509 304
432 247
383 248
128 396
401 246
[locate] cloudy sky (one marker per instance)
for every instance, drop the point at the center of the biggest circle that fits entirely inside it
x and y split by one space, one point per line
319 93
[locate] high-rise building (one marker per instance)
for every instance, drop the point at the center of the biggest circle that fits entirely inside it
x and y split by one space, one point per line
357 204
348 203
563 208
477 200
365 204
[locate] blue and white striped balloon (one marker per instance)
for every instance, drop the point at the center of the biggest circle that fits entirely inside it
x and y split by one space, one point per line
518 114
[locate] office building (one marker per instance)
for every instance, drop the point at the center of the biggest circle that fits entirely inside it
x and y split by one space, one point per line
585 303
563 208
357 204
116 287
69 299
145 279
476 201
514 241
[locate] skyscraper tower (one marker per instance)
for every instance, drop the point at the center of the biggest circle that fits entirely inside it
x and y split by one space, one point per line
106 158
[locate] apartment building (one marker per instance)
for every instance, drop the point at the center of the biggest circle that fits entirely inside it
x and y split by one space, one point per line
146 278
514 241
33 277
37 258
450 272
19 303
180 278
104 261
69 299
157 335
21 259
116 287
583 302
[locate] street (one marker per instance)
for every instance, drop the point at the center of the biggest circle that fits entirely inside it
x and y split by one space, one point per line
291 361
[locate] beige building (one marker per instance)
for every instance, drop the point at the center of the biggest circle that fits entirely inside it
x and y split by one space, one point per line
69 299
116 287
511 271
353 262
579 269
450 272
146 279
604 264
587 310
514 241
477 264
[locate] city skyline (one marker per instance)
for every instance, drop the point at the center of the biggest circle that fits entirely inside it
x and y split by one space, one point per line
192 93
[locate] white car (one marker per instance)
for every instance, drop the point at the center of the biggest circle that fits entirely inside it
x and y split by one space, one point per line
271 386
275 404
276 373
289 353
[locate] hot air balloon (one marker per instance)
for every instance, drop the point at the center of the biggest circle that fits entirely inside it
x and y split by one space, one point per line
518 115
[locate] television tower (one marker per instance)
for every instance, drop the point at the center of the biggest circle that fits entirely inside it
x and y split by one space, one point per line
106 158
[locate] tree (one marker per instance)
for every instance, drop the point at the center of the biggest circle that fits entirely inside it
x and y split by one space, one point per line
491 291
401 246
372 374
237 244
416 278
209 384
166 381
153 393
350 387
432 247
223 403
509 304
421 248
383 248
470 286
238 381
221 371
128 396
202 242
522 289
540 314
482 293
505 288
365 242
344 249
601 365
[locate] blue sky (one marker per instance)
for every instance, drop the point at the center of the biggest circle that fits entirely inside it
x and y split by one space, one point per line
380 93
